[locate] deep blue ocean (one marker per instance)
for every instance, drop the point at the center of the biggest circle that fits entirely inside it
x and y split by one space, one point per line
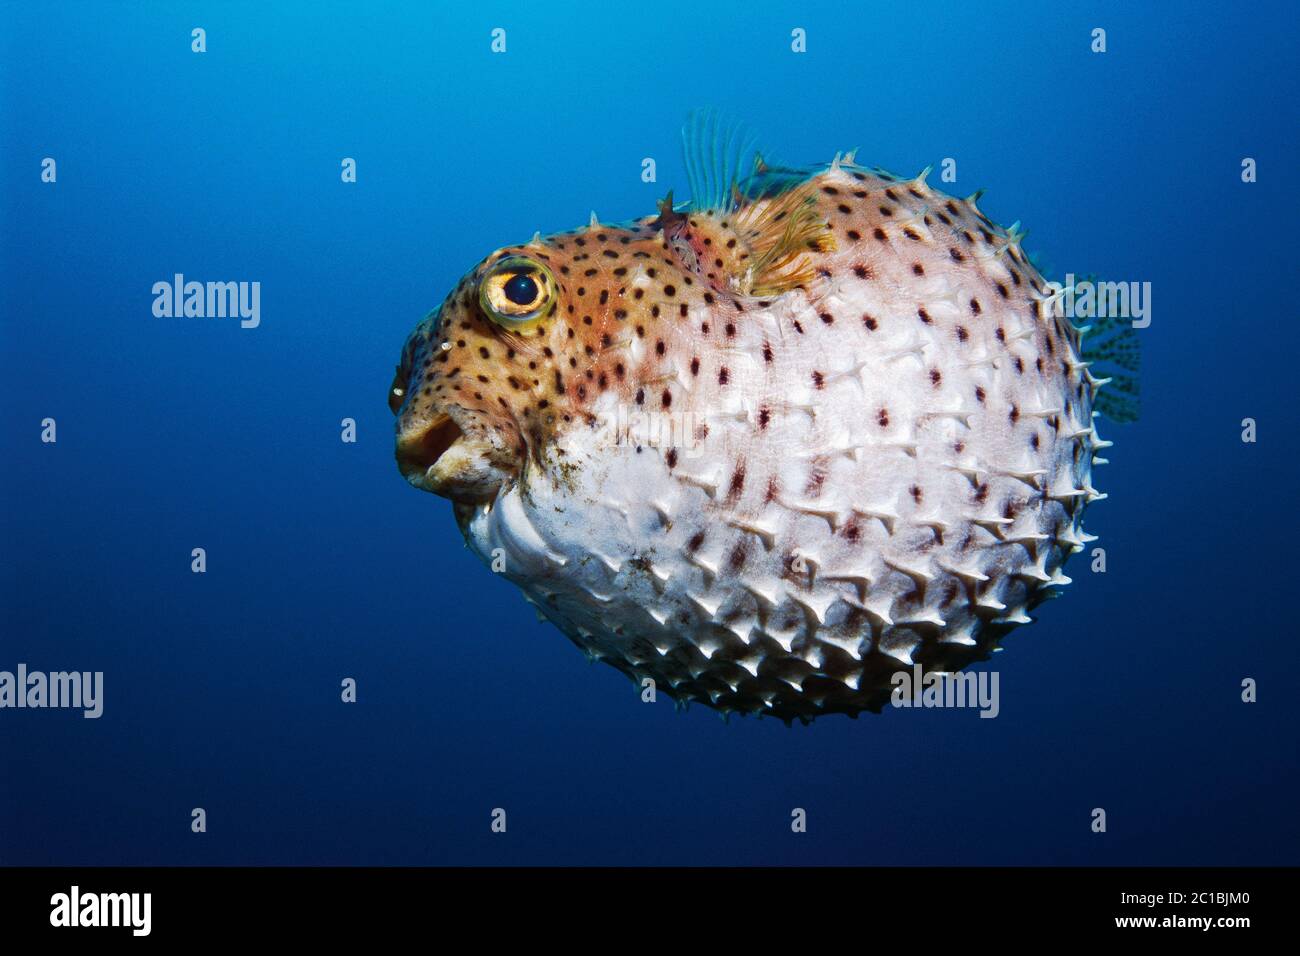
222 689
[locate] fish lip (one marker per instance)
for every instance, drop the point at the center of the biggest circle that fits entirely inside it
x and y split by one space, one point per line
446 456
418 449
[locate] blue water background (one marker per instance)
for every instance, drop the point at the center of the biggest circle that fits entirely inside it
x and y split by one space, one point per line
222 689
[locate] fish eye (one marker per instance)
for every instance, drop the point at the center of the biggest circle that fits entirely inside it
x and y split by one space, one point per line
522 290
516 291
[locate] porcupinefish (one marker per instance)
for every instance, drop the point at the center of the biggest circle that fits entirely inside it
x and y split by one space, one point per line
769 447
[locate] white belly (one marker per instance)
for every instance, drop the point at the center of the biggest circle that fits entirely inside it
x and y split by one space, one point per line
884 518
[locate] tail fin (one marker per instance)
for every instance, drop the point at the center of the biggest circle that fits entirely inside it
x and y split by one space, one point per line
1113 347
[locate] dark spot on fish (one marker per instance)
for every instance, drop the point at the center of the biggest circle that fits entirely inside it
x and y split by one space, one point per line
737 480
737 559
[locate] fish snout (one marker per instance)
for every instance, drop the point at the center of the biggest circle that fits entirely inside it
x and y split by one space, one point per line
421 444
436 455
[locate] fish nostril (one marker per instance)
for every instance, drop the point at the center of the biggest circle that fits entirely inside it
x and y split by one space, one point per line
419 449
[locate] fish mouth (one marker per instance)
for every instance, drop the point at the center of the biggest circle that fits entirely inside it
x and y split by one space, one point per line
438 456
418 450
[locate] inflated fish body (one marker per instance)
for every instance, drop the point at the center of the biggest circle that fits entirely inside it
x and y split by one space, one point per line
769 448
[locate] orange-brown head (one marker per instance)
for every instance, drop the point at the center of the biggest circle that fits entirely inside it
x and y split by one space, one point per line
524 345
538 334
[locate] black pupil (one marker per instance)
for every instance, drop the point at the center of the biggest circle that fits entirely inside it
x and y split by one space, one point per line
521 289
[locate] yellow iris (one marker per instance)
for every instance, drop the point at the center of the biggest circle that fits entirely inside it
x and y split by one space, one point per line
517 291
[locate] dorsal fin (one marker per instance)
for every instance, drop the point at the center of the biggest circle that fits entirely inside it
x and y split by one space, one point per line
717 151
769 210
